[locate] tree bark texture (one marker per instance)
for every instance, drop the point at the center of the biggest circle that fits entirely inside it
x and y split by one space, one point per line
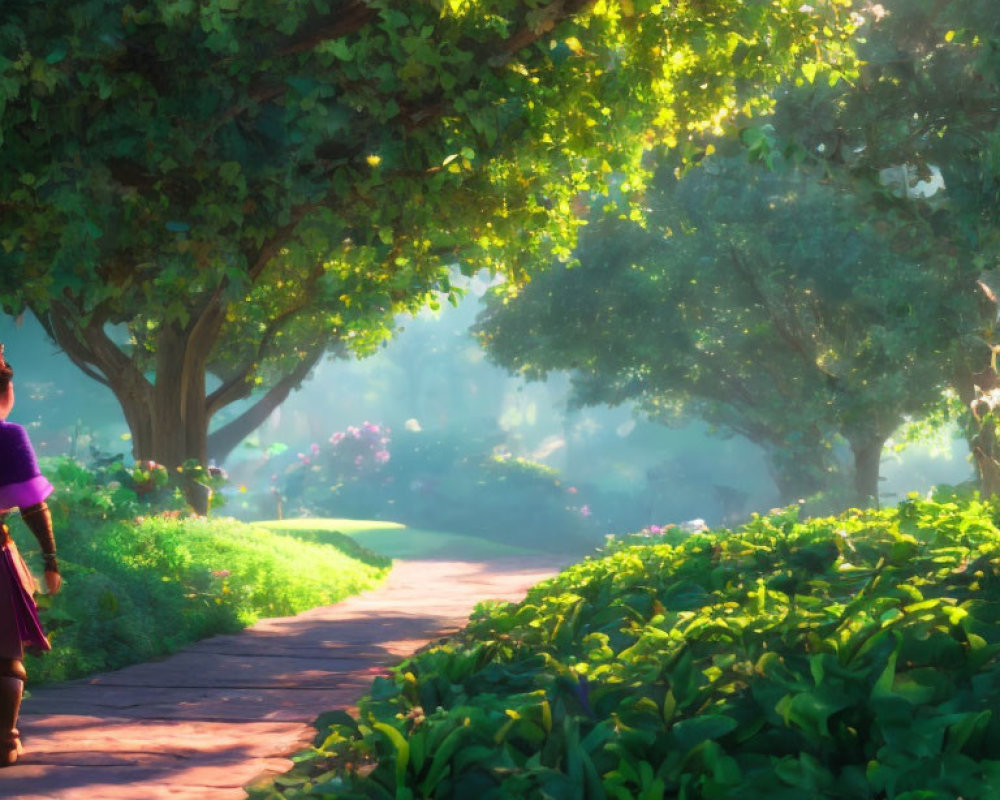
867 452
977 391
168 418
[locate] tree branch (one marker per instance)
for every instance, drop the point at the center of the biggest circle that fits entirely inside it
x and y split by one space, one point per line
349 20
222 442
546 18
71 345
89 346
261 257
780 325
235 387
358 14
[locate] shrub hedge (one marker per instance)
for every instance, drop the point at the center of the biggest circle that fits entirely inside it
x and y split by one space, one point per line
136 587
847 657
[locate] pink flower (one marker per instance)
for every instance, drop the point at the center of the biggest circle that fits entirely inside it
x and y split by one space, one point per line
655 529
585 511
337 438
572 490
358 460
221 573
314 449
381 456
355 432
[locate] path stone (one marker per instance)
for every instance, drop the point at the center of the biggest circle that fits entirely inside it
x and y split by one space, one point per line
229 710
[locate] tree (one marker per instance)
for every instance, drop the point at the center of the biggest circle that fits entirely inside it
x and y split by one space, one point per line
231 188
762 301
915 138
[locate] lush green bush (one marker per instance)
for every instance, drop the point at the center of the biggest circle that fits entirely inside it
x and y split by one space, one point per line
141 586
450 482
850 657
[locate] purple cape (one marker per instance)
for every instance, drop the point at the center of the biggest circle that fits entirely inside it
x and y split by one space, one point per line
21 485
21 482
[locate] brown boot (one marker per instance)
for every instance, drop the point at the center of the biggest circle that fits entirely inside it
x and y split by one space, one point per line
11 688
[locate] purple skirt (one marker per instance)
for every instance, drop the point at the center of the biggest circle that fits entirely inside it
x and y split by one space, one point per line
19 623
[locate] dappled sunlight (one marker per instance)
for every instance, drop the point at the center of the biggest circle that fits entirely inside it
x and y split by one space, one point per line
231 707
337 322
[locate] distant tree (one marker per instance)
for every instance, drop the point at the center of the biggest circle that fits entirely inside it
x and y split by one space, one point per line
234 187
764 302
916 138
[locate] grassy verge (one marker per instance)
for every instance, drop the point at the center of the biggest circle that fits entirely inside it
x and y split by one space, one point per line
851 657
395 540
139 589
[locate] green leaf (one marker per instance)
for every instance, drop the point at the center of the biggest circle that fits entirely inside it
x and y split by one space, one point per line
811 711
440 761
695 730
57 54
883 686
962 731
229 171
400 746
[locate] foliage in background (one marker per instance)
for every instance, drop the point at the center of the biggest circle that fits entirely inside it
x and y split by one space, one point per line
453 481
139 587
236 188
764 302
915 140
146 485
847 657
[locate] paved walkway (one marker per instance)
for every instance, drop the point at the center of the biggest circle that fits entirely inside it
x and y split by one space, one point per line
204 722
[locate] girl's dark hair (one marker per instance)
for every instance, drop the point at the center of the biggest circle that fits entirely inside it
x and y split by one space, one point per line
6 372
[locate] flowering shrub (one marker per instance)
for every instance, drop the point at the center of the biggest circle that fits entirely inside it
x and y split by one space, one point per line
355 451
349 465
116 491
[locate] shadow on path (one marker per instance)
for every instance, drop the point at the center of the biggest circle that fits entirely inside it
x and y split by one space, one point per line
206 721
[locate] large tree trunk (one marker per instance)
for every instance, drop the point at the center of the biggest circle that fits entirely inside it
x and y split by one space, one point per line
168 419
867 452
173 425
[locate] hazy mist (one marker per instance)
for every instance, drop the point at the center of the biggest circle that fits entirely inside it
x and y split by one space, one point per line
433 379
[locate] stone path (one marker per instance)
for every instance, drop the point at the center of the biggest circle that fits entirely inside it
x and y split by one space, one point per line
207 721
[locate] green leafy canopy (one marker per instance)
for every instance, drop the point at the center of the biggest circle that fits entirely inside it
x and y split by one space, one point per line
239 182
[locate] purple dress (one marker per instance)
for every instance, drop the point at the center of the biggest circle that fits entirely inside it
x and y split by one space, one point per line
21 485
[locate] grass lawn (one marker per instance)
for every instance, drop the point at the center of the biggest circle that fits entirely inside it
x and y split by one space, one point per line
395 540
137 590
